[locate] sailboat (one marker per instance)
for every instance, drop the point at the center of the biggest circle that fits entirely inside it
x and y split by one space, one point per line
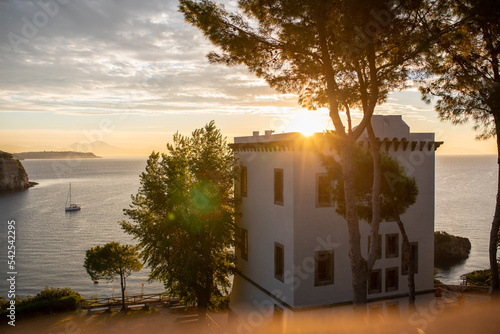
72 206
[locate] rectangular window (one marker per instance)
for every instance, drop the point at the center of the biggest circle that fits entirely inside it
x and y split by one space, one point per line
278 186
379 246
323 196
279 261
323 268
392 245
391 279
243 181
375 281
244 244
404 259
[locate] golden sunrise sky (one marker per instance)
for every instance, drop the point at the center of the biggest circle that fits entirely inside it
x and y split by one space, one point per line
128 74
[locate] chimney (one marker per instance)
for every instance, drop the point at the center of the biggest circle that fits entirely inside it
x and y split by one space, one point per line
269 132
256 133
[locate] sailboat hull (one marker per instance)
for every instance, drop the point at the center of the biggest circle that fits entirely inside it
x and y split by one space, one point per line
72 208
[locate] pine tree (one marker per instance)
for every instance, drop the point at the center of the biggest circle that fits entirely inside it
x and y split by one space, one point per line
464 65
342 55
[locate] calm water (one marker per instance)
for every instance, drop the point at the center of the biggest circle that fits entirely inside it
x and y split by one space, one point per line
466 190
51 243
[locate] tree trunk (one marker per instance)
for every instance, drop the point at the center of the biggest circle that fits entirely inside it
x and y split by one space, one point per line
123 286
203 300
358 263
376 188
495 283
409 260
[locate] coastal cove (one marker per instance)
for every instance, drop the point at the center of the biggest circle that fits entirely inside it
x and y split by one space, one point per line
51 244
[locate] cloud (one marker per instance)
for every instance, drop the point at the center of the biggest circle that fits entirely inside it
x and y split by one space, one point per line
115 56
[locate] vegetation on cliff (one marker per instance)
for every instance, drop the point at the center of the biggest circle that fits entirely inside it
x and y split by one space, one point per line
13 176
449 249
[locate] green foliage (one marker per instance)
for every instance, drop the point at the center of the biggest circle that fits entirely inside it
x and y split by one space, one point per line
398 191
49 300
55 293
336 54
20 166
464 64
183 215
479 277
111 260
219 303
5 155
437 277
442 236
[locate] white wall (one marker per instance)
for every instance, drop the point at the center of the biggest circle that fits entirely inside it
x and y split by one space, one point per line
303 228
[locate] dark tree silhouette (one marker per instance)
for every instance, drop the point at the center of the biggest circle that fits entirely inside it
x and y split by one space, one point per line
464 65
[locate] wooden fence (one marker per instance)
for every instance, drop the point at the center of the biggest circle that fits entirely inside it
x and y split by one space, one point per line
129 300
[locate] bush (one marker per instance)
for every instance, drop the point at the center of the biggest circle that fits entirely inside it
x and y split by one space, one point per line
50 293
479 277
49 300
219 303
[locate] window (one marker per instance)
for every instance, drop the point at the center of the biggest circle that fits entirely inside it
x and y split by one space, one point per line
323 268
244 244
279 261
404 259
323 197
391 279
375 281
243 181
379 246
278 186
392 245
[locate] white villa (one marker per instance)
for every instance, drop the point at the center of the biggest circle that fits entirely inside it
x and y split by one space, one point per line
295 253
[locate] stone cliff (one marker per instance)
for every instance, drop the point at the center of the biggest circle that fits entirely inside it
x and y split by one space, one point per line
13 176
449 248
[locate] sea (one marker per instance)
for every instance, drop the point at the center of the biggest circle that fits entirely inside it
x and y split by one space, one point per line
51 243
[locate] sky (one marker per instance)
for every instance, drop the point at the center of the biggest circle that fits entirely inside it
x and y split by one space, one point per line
120 77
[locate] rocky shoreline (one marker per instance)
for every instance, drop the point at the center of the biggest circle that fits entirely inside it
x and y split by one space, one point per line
450 249
13 176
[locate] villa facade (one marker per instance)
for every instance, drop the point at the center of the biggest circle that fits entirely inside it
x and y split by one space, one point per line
294 254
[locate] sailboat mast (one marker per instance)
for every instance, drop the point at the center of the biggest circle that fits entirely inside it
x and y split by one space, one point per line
70 193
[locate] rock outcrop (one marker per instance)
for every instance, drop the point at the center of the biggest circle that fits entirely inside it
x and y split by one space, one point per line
449 248
13 176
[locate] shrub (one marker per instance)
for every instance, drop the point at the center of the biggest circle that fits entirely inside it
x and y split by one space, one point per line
49 300
219 303
479 277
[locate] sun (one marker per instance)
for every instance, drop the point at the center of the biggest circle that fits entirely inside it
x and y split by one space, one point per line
307 123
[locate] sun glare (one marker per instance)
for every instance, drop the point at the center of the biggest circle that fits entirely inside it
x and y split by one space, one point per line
307 123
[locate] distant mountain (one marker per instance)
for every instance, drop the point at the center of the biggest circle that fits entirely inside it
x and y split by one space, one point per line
55 155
